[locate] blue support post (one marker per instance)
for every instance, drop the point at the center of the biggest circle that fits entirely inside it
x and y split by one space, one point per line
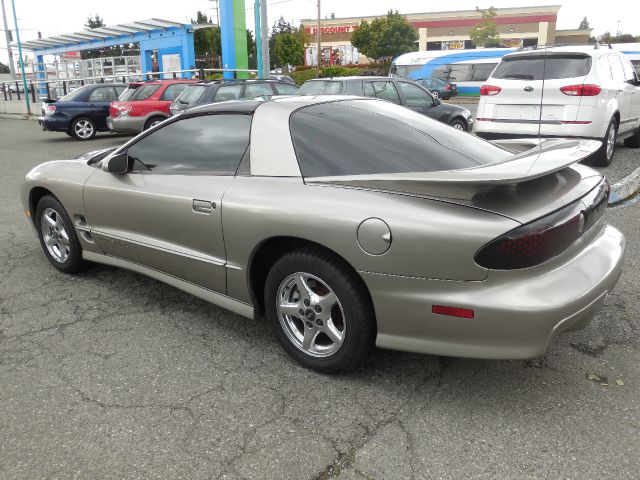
256 10
227 37
42 87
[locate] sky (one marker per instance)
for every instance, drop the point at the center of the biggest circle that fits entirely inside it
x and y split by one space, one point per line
55 17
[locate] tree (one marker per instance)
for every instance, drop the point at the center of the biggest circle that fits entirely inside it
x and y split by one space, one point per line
94 22
289 47
280 27
385 38
485 32
4 68
584 24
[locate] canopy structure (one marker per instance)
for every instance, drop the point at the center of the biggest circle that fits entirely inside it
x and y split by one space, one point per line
172 40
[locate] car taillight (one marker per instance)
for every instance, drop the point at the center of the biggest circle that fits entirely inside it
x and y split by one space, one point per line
50 110
489 90
123 110
586 90
541 240
447 87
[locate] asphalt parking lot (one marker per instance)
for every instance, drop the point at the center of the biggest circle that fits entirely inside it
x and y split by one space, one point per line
109 374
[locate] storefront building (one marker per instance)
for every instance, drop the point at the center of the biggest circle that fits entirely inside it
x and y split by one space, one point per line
518 27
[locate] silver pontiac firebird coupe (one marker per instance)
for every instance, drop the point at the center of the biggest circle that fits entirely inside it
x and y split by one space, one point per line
347 222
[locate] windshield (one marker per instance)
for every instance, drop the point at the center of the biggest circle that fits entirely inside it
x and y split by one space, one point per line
364 137
74 95
531 67
320 87
191 94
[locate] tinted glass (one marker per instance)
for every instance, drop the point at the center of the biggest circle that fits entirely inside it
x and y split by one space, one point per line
144 91
128 93
320 87
415 96
616 68
354 87
286 88
482 71
120 89
636 64
210 143
629 72
531 67
75 95
102 94
383 90
359 137
172 91
253 90
191 95
228 92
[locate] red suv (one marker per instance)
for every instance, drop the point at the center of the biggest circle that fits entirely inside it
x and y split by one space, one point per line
144 104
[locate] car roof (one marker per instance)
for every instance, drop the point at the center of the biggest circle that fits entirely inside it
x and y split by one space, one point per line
590 49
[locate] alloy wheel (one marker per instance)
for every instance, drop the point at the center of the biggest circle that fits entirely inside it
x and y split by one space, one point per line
310 314
83 128
611 141
55 235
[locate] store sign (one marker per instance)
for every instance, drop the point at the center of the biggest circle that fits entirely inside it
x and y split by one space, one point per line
345 29
453 45
511 42
71 55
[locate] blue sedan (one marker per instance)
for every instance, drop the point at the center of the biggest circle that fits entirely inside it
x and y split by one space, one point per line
83 112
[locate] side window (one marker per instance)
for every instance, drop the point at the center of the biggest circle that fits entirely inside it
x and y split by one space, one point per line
102 94
120 89
228 92
252 90
629 72
172 91
415 96
616 68
211 143
286 88
383 90
354 88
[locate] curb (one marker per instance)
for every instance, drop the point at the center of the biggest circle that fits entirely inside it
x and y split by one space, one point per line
18 116
625 188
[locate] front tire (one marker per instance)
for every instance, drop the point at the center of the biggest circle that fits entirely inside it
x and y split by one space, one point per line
459 124
319 310
604 155
152 122
57 236
83 128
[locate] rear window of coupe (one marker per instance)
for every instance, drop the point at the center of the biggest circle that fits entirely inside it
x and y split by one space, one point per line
367 137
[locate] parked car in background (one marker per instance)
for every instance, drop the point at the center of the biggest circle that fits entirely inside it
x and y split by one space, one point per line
81 113
589 92
221 90
348 222
396 90
439 88
144 104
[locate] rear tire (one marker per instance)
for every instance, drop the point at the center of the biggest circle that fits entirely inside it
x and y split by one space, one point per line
57 236
336 327
83 128
604 155
633 141
153 121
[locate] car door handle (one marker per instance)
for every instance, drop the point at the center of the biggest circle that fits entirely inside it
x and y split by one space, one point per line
203 206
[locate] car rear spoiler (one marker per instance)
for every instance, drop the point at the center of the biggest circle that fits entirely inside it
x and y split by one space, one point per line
532 159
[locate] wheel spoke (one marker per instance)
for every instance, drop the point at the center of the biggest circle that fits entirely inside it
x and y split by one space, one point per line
309 338
332 332
49 240
59 223
49 220
327 302
303 287
291 309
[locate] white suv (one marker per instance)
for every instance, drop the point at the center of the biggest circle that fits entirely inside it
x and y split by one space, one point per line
585 91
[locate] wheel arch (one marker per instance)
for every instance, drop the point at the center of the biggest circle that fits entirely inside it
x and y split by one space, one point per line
270 250
35 195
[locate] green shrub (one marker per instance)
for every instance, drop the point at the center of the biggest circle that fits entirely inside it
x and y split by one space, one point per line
301 76
338 71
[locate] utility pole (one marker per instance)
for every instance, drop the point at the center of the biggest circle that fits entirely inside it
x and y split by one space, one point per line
264 34
256 16
24 77
318 38
7 33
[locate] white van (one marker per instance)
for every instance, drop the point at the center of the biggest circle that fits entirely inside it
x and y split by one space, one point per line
585 91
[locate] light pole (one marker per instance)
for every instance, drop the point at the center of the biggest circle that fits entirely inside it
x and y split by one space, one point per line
24 78
7 33
256 16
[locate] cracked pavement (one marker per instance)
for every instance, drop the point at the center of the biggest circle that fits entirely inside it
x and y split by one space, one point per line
109 374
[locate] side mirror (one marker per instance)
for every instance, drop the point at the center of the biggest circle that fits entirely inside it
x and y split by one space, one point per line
117 164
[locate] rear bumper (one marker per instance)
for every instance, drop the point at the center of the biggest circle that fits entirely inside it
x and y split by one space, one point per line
517 312
513 129
53 124
126 124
